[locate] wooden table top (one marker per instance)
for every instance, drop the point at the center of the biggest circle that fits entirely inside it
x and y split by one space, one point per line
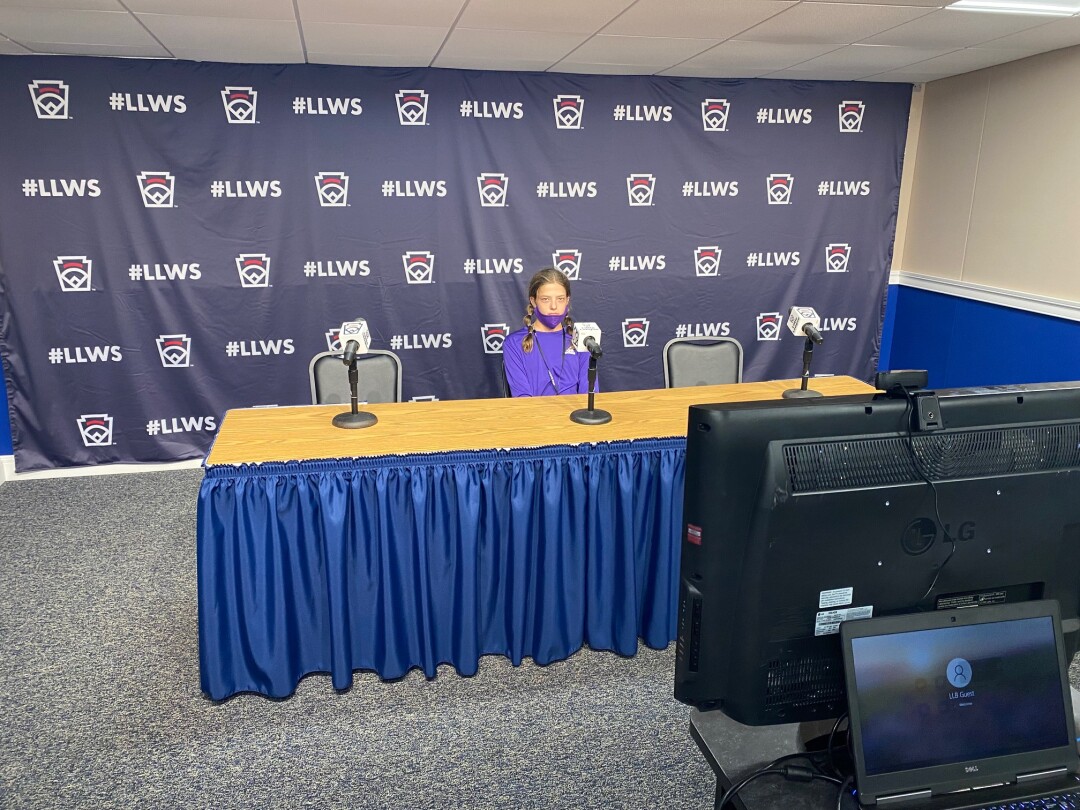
255 435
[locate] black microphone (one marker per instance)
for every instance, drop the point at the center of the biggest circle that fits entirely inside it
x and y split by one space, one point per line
355 338
587 337
805 321
812 332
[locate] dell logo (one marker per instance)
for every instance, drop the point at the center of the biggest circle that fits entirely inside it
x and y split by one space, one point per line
971 769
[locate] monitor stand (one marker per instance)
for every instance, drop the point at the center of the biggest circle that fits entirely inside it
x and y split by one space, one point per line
734 751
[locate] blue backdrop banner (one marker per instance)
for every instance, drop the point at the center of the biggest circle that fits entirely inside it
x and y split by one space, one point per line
179 239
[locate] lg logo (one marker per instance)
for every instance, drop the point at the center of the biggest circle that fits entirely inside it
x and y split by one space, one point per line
920 534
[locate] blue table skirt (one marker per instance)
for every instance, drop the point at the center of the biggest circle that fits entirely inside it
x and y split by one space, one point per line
391 563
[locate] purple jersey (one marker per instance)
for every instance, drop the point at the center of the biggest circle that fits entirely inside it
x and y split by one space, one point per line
552 367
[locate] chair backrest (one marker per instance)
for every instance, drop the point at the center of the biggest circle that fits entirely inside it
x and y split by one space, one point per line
702 361
378 373
504 384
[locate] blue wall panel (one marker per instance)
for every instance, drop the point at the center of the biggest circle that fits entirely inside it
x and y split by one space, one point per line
5 420
963 342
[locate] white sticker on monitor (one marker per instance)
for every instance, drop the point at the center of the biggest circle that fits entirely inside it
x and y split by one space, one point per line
835 598
827 622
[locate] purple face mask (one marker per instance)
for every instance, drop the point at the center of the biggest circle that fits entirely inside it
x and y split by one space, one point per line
551 321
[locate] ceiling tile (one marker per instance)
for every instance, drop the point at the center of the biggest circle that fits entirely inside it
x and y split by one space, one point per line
149 50
365 60
381 12
1058 34
908 75
713 73
969 59
754 58
895 78
695 18
834 74
243 53
7 46
605 69
831 22
493 63
559 16
888 40
867 59
72 27
87 5
665 51
466 43
243 9
187 34
956 29
415 44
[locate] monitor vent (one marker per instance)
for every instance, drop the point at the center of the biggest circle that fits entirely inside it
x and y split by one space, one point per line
800 683
858 463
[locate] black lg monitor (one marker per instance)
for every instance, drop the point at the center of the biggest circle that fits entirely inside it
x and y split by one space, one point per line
802 514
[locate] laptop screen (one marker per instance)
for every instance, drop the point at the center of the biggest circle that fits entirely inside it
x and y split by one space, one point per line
953 694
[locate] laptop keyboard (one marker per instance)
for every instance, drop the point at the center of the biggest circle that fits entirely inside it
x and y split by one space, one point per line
1059 801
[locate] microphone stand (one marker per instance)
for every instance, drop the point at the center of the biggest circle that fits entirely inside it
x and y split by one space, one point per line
802 392
590 415
355 418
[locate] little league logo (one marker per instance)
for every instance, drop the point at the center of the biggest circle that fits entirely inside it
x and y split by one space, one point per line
639 189
635 332
74 273
851 115
412 107
779 188
568 111
836 257
707 261
419 266
492 187
714 114
768 326
333 189
333 339
569 262
254 269
494 334
174 351
157 189
240 104
96 429
50 97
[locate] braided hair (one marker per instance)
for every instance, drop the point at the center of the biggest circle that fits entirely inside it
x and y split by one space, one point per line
549 275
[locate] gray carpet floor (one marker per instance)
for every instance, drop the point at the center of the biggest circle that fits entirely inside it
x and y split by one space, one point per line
101 707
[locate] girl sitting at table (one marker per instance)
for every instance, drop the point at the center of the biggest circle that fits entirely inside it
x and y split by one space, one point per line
539 358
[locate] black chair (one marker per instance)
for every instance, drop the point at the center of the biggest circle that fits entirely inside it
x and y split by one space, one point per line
504 384
378 372
702 361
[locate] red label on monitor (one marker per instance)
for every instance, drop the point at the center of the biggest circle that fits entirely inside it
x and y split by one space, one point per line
693 534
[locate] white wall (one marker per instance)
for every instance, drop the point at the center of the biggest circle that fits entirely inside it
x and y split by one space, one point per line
993 201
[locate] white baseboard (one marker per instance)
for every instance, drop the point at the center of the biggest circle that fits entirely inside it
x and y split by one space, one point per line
7 469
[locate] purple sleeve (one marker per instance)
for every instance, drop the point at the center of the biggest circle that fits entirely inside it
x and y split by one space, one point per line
514 362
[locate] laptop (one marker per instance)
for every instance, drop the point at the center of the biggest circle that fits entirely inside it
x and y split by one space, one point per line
960 708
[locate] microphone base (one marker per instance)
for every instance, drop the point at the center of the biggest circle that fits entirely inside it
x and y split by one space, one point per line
801 393
590 416
361 419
